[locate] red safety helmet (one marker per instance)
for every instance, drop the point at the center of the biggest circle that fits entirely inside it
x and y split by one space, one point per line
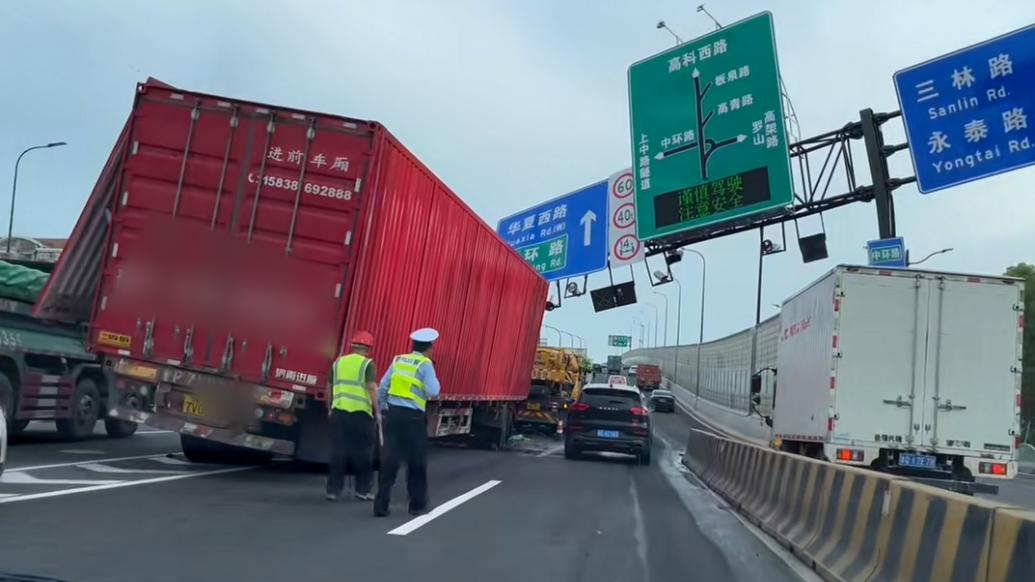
363 338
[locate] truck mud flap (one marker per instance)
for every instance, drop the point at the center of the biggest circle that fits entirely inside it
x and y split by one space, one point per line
220 435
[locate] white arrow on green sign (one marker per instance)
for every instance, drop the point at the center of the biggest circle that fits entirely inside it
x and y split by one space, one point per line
708 139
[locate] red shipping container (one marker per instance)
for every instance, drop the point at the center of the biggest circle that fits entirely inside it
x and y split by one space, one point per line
247 241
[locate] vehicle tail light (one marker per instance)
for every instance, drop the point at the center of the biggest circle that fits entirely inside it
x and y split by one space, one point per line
998 469
1016 442
579 407
638 411
850 455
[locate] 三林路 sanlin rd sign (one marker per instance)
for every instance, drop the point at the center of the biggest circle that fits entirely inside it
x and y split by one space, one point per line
708 138
966 113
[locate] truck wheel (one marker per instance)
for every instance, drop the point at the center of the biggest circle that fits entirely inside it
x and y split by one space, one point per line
86 406
199 450
7 400
18 426
571 452
644 458
119 429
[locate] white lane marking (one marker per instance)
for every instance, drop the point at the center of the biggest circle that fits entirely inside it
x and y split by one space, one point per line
108 460
25 478
118 484
3 495
82 452
551 450
421 520
153 432
99 468
171 461
639 530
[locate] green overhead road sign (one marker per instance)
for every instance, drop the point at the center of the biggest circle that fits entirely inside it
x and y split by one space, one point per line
708 137
619 341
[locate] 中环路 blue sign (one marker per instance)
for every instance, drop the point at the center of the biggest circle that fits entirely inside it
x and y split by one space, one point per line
887 252
564 237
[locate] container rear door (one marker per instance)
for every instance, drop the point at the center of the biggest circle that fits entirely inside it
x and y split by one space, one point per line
972 364
880 345
231 245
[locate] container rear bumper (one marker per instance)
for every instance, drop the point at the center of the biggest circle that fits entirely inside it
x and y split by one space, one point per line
221 435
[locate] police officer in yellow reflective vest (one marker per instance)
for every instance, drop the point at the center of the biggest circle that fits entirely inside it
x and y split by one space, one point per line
353 413
404 391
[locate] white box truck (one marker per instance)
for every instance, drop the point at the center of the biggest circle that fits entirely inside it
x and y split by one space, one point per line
916 373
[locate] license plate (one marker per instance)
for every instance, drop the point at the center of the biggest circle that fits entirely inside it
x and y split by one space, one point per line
607 434
532 406
918 461
193 406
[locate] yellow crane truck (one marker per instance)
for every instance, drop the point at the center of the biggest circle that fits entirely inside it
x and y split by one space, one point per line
556 380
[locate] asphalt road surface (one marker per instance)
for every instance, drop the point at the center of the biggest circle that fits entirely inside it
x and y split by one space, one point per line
135 510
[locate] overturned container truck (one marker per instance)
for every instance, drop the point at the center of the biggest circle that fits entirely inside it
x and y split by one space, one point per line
229 247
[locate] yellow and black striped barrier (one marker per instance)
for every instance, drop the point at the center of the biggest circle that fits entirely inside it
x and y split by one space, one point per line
853 524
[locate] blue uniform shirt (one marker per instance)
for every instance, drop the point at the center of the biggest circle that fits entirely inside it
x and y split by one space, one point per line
425 373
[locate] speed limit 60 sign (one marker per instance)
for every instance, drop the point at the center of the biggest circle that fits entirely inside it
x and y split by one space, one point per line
623 246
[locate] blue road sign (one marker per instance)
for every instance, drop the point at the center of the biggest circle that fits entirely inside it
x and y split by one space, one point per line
966 113
887 252
564 237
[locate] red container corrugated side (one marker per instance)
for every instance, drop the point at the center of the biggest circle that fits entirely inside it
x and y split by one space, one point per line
250 240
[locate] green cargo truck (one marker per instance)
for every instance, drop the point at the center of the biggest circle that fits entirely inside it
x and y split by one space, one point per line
45 371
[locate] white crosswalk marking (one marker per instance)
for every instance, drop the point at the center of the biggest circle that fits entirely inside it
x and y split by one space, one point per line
99 468
24 478
171 461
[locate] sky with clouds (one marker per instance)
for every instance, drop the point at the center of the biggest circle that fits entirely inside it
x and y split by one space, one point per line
511 103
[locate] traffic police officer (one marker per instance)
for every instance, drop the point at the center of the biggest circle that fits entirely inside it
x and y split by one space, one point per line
352 416
404 391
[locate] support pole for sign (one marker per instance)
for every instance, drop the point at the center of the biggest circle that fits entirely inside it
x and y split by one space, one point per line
758 305
878 161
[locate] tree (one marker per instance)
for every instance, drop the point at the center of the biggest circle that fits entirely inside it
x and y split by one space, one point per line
1027 272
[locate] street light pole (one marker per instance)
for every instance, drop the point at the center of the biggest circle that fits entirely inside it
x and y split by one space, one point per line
664 340
14 187
700 332
560 340
655 322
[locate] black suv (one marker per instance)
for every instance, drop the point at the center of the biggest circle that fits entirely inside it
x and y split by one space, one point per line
663 401
610 418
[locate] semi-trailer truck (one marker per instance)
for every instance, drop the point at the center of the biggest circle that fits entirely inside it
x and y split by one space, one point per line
46 372
230 248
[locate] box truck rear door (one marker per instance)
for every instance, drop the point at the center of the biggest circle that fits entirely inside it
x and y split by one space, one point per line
972 363
881 339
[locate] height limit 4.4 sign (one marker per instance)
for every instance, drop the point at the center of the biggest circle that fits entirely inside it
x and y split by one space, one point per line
967 113
708 138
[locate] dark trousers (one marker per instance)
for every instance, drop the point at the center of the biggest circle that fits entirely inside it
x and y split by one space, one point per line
352 446
406 441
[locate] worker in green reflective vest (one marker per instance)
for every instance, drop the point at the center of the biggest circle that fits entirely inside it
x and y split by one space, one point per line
353 415
404 391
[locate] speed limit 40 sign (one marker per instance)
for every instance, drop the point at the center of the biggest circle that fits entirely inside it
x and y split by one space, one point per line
624 247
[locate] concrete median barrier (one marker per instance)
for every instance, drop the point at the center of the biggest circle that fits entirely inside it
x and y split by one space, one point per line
1011 556
853 524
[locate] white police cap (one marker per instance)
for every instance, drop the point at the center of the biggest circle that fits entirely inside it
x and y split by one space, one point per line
425 334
